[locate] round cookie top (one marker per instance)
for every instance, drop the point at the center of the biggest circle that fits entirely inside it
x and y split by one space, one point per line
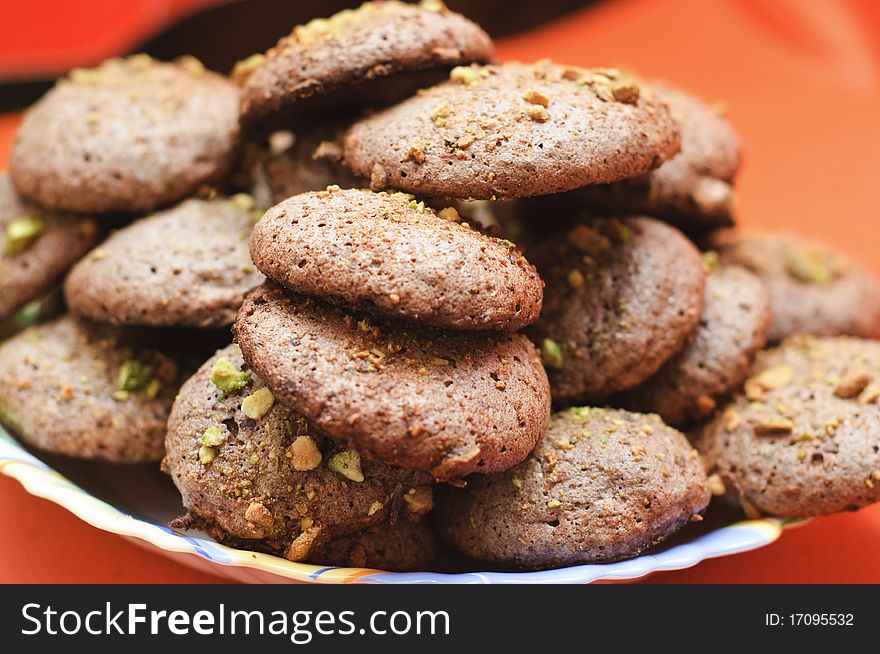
602 485
813 289
374 41
801 439
388 254
718 353
450 403
87 390
406 546
514 130
694 189
249 468
36 247
621 297
185 266
127 136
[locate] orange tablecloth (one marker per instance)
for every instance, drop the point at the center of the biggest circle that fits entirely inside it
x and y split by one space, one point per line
802 81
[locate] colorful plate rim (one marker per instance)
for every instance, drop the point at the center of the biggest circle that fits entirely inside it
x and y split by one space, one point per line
41 480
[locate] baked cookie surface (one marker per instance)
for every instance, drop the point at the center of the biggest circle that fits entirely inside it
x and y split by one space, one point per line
88 391
36 247
406 546
602 485
449 403
514 130
803 437
385 253
128 136
185 266
621 297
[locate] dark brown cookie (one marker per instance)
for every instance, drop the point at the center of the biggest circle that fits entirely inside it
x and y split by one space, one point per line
376 41
717 355
127 136
406 546
253 473
803 437
813 289
185 266
622 295
87 391
602 485
694 189
37 248
389 254
514 130
451 403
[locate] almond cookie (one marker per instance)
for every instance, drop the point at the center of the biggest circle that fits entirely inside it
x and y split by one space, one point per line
375 42
127 136
37 248
388 254
255 474
803 437
87 390
403 547
694 189
717 355
514 130
450 403
622 296
813 289
602 485
185 266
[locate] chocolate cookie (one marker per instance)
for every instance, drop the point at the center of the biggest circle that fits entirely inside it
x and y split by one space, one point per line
813 289
451 403
185 266
602 485
38 247
803 437
388 254
514 130
406 546
717 355
255 474
622 295
127 136
376 41
694 189
87 390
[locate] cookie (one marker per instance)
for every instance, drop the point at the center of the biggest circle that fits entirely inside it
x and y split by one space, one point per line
377 41
717 355
803 437
813 289
255 474
128 136
514 130
694 189
602 485
388 254
450 403
404 547
88 391
185 266
622 296
37 248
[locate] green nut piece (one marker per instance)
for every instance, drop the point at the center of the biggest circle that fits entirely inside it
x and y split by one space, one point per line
133 375
551 354
213 437
225 377
21 232
347 464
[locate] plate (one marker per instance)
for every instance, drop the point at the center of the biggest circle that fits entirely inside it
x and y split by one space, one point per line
138 501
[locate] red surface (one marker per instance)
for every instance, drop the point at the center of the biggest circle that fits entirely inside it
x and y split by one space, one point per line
802 81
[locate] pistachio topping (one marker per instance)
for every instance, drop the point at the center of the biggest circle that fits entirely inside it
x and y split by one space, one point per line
808 266
213 437
227 378
257 404
21 232
551 354
347 464
304 454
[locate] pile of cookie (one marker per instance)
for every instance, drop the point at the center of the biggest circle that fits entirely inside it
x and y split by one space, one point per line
468 300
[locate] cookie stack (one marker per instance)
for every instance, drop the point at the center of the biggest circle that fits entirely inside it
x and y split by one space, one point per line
455 287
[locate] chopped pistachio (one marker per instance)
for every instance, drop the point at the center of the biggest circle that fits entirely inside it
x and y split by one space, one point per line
554 504
133 375
551 354
259 515
716 485
243 201
347 464
711 261
206 454
807 265
304 454
213 437
225 377
21 232
374 507
153 388
257 404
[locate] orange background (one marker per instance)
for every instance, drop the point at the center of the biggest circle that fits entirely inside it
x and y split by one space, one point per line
802 82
